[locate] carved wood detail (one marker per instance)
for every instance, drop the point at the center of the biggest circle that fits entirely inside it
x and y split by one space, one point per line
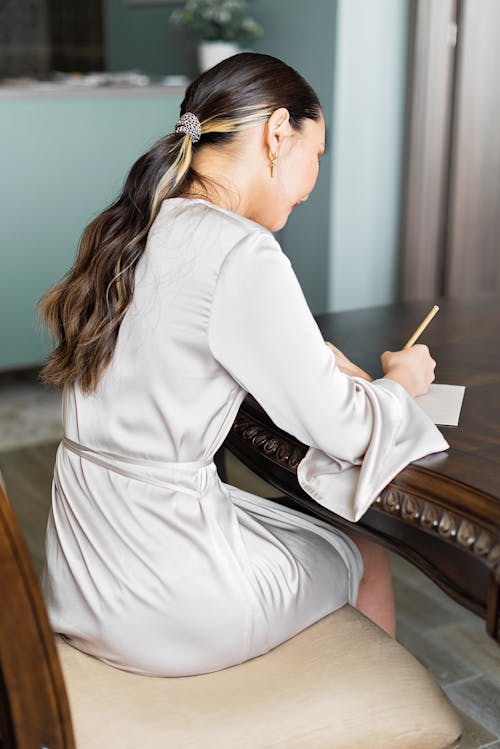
449 525
412 509
262 439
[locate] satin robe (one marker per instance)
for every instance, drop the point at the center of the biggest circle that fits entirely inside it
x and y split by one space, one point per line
155 565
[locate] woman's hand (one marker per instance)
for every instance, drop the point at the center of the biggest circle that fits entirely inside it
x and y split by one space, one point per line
413 368
345 365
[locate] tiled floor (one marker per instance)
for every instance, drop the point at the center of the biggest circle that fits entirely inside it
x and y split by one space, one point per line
29 414
449 640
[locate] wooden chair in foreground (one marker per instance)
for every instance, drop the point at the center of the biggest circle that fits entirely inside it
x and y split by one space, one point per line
340 684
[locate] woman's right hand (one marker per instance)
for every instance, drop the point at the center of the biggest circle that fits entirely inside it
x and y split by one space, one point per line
413 368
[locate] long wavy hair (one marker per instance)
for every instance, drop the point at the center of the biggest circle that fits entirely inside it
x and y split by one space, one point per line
85 309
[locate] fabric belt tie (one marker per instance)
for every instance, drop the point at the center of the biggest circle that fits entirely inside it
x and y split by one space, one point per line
189 477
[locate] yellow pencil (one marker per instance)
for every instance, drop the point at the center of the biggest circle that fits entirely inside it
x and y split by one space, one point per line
421 327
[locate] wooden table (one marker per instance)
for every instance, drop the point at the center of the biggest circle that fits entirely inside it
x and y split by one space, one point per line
442 513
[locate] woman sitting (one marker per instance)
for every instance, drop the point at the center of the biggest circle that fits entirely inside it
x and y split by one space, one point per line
181 302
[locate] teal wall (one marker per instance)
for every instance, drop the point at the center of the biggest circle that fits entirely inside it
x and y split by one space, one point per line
344 242
295 31
369 99
62 162
139 36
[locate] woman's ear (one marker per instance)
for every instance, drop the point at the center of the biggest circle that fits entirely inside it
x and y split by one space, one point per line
277 128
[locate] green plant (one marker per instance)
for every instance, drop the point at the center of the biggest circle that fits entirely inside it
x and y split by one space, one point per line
217 20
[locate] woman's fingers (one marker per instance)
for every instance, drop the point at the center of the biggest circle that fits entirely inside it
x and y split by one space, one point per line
413 368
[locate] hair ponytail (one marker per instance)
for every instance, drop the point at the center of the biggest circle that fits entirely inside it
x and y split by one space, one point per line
85 309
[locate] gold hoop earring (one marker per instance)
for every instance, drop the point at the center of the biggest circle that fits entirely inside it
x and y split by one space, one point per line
273 158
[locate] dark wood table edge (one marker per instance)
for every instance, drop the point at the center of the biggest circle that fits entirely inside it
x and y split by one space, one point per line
417 497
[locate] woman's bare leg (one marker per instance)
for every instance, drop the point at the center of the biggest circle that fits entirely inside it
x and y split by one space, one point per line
376 595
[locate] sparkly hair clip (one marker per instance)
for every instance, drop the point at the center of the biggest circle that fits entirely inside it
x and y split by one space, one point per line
189 124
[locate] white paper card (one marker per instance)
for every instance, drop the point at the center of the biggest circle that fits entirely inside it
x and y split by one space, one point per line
443 403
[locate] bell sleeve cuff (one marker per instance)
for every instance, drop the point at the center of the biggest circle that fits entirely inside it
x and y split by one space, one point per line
401 433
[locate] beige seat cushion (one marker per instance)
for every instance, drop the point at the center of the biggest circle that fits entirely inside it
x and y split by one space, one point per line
342 683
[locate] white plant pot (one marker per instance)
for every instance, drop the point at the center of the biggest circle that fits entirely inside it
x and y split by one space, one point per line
211 53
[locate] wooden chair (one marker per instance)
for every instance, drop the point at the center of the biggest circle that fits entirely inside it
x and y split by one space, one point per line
342 684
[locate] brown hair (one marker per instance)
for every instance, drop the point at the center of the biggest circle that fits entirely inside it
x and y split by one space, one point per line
84 310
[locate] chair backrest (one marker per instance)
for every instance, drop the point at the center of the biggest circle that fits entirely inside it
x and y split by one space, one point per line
34 710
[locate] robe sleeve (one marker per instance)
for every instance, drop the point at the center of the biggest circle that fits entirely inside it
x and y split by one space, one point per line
360 434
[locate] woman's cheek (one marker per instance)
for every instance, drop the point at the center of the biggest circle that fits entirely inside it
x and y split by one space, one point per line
314 174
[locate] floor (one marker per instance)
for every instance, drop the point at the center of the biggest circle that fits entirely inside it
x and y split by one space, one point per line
449 640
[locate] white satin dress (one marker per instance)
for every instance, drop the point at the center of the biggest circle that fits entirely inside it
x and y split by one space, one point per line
153 564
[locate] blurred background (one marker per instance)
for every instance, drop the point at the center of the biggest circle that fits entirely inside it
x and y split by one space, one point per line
407 206
407 201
